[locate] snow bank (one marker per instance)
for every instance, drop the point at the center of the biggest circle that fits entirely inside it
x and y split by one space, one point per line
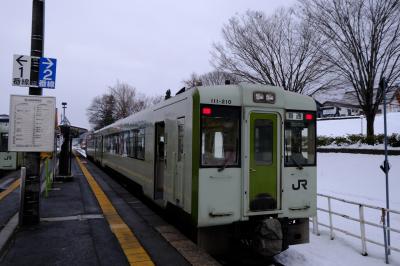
355 177
357 126
360 146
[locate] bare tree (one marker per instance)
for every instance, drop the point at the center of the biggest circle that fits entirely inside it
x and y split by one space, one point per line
362 44
121 101
211 78
101 111
128 100
191 81
280 50
124 96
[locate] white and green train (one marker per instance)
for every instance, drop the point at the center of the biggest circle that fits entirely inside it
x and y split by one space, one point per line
8 160
239 160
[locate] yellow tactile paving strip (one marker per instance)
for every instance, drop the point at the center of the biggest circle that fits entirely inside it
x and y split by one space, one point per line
133 250
10 189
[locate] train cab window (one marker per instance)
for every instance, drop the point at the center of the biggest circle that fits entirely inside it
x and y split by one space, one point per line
220 136
300 134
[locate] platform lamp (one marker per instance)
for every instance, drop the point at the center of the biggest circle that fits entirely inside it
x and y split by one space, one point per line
64 165
64 106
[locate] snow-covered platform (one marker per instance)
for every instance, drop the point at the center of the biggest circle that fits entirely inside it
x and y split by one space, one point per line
354 177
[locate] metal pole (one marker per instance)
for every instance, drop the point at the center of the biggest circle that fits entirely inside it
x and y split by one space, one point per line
383 84
22 195
37 40
385 237
30 212
362 126
362 228
330 220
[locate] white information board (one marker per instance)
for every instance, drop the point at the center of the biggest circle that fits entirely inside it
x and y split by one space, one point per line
32 123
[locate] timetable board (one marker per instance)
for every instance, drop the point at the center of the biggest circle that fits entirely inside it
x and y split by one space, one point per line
32 123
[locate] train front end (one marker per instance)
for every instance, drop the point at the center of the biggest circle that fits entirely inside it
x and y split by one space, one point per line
257 167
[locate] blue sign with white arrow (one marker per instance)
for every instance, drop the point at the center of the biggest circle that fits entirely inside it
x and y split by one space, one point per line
47 72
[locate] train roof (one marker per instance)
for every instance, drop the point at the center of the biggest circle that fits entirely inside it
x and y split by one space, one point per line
239 95
4 118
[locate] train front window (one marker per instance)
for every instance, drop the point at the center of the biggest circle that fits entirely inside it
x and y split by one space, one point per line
220 136
300 139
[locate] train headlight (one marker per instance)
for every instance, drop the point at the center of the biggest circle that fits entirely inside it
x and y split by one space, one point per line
269 97
263 97
258 97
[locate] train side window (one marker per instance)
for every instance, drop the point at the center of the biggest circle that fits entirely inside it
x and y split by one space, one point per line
127 137
4 142
181 132
121 143
109 144
263 141
133 144
137 143
116 144
140 143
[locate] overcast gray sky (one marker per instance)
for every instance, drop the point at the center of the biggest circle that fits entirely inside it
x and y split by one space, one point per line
152 45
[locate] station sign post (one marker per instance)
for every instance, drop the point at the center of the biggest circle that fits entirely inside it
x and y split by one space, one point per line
29 114
25 76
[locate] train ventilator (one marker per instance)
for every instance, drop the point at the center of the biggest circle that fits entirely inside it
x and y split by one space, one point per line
237 162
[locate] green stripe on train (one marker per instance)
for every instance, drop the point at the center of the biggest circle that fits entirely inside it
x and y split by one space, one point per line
195 156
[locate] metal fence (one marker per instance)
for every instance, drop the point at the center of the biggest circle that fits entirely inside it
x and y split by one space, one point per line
361 220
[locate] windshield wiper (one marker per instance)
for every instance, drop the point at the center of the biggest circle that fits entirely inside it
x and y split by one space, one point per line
223 166
299 166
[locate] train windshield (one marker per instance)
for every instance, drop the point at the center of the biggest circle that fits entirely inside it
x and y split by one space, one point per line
220 136
300 135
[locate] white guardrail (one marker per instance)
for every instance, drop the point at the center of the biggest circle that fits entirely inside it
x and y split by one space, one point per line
361 220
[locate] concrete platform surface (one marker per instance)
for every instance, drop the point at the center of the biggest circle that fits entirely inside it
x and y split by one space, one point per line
74 231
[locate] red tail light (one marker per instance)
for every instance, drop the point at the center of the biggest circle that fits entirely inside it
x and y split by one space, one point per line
206 111
309 117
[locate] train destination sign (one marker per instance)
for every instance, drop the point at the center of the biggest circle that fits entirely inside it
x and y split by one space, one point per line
32 71
32 122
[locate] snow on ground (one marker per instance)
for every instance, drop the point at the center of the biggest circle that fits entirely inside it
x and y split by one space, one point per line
360 146
357 125
355 177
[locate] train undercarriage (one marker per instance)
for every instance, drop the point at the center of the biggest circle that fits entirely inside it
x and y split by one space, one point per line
265 236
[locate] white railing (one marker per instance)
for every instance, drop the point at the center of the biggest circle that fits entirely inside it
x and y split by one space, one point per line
386 230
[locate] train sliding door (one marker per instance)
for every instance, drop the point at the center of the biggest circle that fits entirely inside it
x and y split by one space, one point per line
263 162
159 160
